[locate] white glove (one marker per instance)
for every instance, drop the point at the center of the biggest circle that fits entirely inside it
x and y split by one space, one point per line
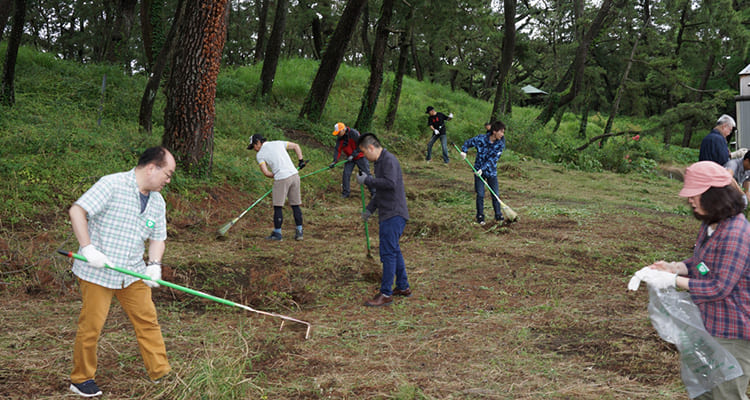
450 115
154 272
435 132
740 153
653 277
94 257
479 172
463 155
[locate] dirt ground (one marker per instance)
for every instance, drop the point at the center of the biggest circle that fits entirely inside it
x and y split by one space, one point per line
534 309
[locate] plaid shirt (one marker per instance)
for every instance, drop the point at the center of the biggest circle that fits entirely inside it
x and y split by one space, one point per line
723 294
119 229
487 152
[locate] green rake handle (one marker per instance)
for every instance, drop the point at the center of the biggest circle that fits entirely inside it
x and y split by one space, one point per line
191 291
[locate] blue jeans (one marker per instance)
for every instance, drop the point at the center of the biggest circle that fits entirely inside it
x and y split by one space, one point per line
390 255
443 142
479 188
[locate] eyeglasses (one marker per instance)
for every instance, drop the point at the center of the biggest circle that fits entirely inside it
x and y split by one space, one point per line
169 176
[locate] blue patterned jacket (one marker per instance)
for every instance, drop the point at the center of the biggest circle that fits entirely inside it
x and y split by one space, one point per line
487 153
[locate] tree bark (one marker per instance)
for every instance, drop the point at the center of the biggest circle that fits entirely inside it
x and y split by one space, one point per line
317 97
403 60
6 6
415 61
190 111
620 90
8 91
365 33
570 84
273 51
158 68
502 95
317 33
123 25
370 97
262 18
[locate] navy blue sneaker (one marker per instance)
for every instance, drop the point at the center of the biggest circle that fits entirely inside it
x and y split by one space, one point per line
275 236
86 389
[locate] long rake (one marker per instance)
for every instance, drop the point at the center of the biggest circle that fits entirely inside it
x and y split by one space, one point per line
507 211
225 228
193 292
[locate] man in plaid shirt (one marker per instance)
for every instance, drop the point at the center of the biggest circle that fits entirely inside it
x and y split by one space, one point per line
111 221
489 147
718 273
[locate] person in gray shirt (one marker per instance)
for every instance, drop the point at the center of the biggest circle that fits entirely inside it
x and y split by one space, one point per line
389 199
740 169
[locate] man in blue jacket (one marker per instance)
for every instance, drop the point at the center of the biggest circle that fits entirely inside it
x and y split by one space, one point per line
390 202
714 145
489 147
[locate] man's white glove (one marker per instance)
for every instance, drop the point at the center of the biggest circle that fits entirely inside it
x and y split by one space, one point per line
450 115
655 278
435 132
154 272
479 172
349 158
740 153
463 155
94 257
361 178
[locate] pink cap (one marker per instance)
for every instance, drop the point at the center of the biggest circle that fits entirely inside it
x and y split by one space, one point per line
703 175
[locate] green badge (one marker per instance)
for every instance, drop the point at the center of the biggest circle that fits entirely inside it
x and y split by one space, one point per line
150 223
702 268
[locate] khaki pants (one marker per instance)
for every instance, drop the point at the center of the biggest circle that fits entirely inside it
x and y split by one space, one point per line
136 301
736 388
287 188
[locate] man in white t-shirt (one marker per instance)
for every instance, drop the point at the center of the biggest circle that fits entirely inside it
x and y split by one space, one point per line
274 161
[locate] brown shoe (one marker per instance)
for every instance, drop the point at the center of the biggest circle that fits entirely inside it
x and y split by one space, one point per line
406 292
379 300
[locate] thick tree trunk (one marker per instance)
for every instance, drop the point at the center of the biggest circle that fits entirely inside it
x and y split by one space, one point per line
570 84
157 70
316 99
7 90
273 51
370 97
262 18
502 95
190 111
403 61
123 25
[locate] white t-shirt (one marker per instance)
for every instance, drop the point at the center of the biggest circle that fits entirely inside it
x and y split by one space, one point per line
274 154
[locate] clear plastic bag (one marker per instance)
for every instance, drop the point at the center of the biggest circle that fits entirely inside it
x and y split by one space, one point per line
704 362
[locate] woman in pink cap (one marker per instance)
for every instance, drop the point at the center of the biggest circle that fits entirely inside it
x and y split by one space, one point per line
718 273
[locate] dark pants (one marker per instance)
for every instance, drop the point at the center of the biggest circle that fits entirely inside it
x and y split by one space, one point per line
479 188
363 166
390 255
443 141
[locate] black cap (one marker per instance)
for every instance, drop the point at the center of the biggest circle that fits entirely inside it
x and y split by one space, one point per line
255 139
430 108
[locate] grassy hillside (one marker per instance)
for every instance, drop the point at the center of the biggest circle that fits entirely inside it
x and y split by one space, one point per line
537 309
